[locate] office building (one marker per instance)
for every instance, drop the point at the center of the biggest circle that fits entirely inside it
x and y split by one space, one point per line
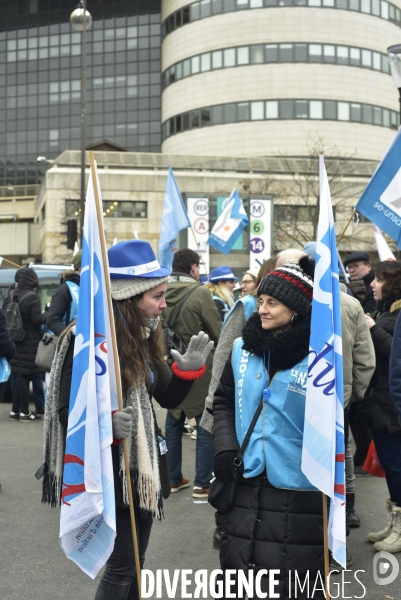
40 81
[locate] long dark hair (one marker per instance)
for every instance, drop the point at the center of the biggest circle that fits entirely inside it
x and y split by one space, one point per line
135 352
390 271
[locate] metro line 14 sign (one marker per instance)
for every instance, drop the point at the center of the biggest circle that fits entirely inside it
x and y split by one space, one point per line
260 232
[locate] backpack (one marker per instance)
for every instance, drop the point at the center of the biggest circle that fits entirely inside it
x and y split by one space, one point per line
13 317
172 341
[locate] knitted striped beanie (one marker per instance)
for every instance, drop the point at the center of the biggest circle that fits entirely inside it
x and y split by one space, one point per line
290 285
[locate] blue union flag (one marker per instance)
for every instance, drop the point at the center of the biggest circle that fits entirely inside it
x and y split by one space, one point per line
87 521
229 225
381 200
323 443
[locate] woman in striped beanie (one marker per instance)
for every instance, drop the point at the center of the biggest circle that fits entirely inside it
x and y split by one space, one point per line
275 521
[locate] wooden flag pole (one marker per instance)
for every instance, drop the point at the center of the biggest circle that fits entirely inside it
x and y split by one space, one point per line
326 547
11 263
345 228
99 211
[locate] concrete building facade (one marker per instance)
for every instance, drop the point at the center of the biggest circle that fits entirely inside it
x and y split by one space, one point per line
133 189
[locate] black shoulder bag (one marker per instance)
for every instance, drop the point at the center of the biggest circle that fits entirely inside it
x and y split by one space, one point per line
221 494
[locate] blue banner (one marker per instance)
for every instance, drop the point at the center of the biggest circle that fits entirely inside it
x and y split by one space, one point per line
87 520
174 219
229 225
381 201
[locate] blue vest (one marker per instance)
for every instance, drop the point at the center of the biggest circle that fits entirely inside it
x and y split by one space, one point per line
276 441
74 291
249 303
225 306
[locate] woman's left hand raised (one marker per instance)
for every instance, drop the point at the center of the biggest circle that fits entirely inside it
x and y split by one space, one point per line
197 352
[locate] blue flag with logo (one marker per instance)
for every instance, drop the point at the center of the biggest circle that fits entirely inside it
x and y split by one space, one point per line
229 225
323 441
174 219
87 519
381 200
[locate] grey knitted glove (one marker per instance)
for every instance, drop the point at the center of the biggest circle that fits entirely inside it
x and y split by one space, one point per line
196 354
122 423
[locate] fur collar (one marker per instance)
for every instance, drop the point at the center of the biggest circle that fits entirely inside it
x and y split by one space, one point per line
285 349
395 306
391 305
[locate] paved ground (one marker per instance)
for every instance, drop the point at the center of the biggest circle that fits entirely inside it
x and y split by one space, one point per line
33 567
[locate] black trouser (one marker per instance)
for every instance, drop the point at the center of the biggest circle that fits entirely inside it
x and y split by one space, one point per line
119 580
361 434
21 395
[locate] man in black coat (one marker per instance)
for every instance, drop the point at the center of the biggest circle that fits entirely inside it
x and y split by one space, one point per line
63 305
360 271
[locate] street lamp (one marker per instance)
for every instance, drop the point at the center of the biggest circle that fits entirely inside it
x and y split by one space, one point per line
81 20
394 56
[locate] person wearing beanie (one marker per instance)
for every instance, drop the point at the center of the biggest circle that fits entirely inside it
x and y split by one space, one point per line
275 520
64 304
23 361
138 286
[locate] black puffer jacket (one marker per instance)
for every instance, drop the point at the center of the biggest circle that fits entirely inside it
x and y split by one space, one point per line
267 527
7 346
60 304
377 409
23 360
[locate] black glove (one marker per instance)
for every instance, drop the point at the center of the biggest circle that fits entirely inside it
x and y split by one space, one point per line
224 468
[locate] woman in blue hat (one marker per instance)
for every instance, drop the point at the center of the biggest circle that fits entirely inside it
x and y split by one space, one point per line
221 284
138 285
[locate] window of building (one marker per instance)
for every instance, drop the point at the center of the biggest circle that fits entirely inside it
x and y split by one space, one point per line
123 209
207 8
282 109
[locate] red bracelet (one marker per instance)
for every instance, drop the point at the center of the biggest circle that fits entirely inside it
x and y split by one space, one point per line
188 375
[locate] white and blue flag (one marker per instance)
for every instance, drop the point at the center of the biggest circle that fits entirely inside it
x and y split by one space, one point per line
323 443
381 200
229 225
174 219
87 521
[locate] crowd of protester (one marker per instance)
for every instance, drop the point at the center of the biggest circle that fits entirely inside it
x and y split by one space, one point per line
275 519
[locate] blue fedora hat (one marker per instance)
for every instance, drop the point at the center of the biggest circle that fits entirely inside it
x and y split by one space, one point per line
134 260
222 274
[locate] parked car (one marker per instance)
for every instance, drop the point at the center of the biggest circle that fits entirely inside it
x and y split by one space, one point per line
49 280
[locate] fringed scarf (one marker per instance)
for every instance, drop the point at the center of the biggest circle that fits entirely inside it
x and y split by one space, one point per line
54 435
143 447
142 444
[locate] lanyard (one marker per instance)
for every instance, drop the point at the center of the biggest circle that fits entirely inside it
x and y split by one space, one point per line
266 390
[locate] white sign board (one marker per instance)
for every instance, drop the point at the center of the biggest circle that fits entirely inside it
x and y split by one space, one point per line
260 232
198 234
